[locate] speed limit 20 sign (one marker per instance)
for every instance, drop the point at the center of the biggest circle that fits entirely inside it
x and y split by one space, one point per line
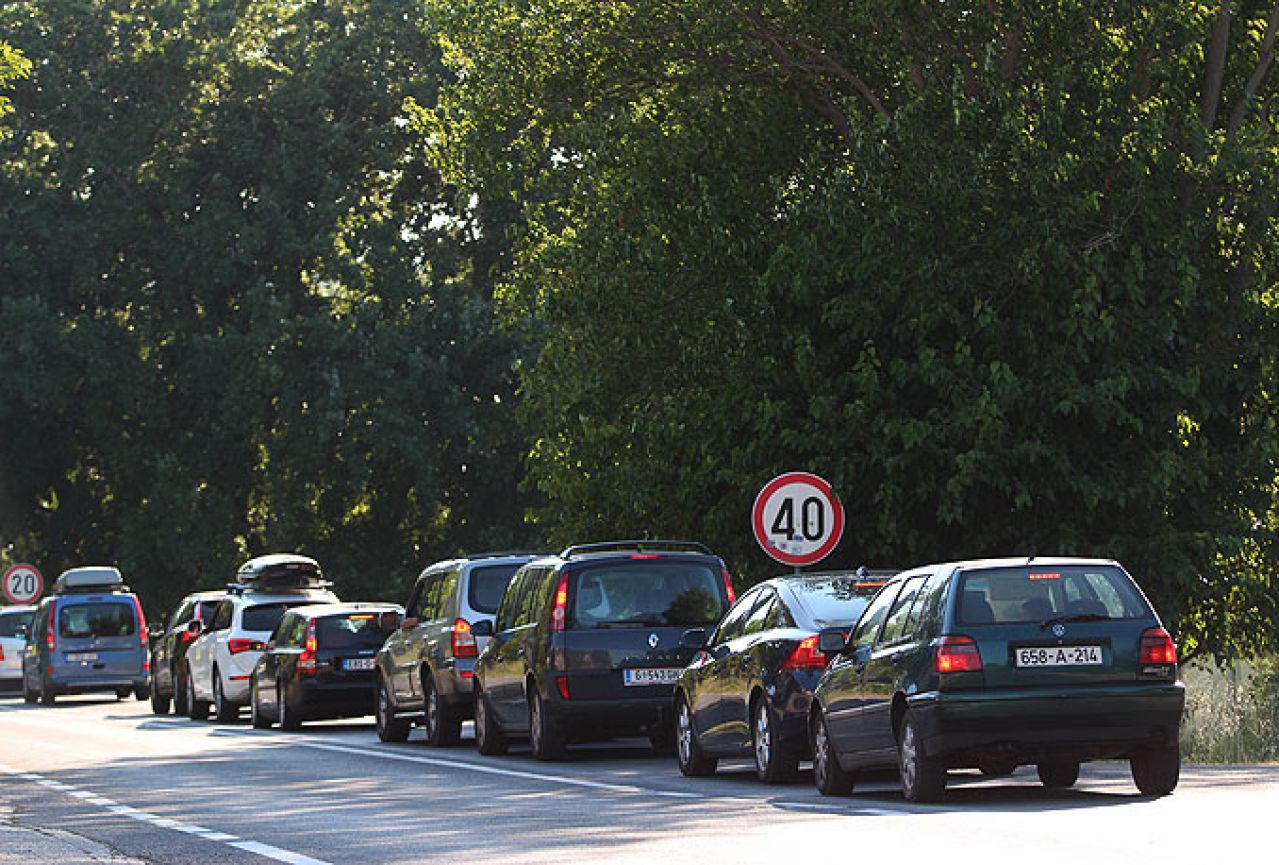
797 519
23 584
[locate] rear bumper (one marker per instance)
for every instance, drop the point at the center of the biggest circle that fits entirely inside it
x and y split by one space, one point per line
604 718
316 700
61 685
1025 725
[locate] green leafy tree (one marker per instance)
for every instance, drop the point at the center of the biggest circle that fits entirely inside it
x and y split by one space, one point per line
1004 273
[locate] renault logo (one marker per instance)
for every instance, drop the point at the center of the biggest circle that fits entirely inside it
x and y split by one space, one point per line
1059 630
653 640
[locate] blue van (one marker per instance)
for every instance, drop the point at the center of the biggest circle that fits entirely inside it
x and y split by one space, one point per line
88 636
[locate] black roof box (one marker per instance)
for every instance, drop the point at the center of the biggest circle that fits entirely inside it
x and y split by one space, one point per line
279 571
92 578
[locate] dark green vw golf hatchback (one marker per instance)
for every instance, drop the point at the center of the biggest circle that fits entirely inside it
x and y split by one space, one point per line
996 664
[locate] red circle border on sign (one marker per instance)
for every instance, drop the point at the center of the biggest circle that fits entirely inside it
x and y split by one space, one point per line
5 587
757 518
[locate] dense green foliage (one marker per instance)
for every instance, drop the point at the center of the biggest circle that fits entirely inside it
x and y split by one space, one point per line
1004 273
242 312
12 65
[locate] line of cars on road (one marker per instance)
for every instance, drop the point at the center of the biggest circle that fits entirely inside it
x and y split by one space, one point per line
986 664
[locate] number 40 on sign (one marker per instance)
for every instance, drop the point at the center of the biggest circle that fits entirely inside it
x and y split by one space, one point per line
797 519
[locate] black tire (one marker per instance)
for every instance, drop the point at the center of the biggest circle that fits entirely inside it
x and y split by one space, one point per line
389 727
831 778
48 696
224 711
197 710
544 731
439 720
489 738
662 740
693 761
28 695
774 763
923 777
1156 771
123 693
256 718
141 692
159 702
1058 774
180 706
290 719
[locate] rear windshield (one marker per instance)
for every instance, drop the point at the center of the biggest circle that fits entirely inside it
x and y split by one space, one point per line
354 631
109 619
16 624
264 617
488 584
1038 594
646 593
835 601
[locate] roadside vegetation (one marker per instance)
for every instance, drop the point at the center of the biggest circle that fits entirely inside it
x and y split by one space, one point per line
1232 712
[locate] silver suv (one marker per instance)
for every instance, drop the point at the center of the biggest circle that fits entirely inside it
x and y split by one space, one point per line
426 668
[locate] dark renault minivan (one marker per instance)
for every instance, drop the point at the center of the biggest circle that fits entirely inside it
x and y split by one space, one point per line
586 644
88 636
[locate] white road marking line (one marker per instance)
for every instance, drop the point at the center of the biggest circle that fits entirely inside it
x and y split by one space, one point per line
221 836
276 853
100 800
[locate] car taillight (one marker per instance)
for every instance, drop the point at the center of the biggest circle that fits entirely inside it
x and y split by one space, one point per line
238 645
464 645
560 614
728 586
50 638
306 661
1 653
957 655
142 622
805 656
561 684
186 636
1157 647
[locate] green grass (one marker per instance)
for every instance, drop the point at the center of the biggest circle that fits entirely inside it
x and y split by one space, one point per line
1232 714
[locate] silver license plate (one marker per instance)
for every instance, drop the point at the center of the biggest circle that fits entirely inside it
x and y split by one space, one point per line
1060 656
659 676
82 656
358 664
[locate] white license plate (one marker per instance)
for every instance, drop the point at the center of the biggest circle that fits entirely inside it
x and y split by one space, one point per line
82 656
1060 656
659 676
358 664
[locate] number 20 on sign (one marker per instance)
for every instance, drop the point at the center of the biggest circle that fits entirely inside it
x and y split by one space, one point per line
23 584
797 519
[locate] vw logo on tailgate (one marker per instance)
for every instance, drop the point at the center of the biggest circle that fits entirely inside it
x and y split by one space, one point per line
1059 630
653 640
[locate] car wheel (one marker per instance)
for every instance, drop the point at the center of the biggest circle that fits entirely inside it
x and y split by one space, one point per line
831 778
159 702
774 764
544 732
662 739
256 718
141 692
28 695
290 719
123 693
180 706
1156 771
197 709
389 727
223 709
47 694
1058 774
442 725
489 738
693 761
923 777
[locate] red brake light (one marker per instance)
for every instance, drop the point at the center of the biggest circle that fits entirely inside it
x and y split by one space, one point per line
50 638
1 653
646 556
239 645
805 656
728 586
1157 647
142 622
957 655
464 645
561 684
560 613
306 661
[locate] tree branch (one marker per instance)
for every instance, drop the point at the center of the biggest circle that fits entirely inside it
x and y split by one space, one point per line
1258 77
1214 75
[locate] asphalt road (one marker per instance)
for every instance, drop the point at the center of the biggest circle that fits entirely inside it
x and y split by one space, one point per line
164 789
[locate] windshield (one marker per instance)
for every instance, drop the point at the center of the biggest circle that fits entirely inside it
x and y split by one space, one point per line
354 631
647 592
488 584
835 601
16 624
111 619
1038 594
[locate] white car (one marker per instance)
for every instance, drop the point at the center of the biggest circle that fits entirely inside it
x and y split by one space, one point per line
15 624
220 661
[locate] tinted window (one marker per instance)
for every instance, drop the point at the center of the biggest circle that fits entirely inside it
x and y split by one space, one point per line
731 627
1033 594
836 601
488 584
263 617
353 631
16 624
182 614
222 618
759 618
96 620
873 617
206 610
414 607
904 614
291 632
644 593
514 596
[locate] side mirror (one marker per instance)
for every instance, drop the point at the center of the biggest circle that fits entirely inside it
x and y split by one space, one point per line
832 641
483 628
694 638
389 621
408 623
195 628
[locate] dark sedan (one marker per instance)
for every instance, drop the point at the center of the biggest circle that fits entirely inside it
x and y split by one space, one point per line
319 663
747 690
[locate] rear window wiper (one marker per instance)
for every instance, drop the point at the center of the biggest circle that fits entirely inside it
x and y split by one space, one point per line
1078 617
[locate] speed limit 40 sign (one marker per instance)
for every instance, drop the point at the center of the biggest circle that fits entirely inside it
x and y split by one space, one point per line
797 519
23 584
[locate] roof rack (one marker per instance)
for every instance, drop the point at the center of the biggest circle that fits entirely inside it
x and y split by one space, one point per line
495 554
638 546
86 580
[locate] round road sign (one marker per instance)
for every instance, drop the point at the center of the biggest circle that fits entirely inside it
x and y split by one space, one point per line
797 519
23 584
